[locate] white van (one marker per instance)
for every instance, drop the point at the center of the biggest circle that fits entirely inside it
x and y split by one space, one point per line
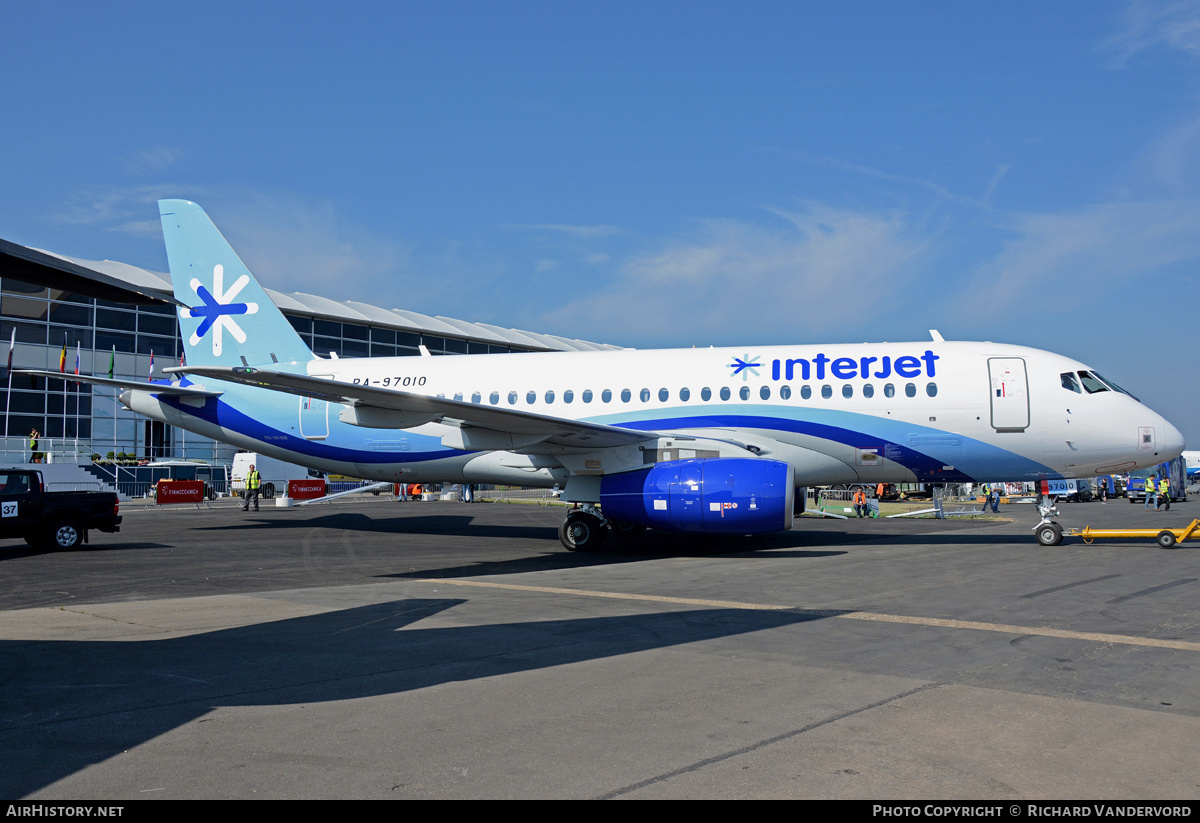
274 474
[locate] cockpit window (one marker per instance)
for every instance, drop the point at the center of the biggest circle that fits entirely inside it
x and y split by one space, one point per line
1091 383
1111 384
1069 382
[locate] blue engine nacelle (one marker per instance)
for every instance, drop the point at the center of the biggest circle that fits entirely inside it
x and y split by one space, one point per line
729 495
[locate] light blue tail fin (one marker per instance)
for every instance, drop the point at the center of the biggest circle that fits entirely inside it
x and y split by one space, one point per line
232 321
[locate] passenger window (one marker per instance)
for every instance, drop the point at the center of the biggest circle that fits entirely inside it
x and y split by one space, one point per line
1069 382
868 390
744 392
531 397
889 390
550 397
568 396
663 395
785 392
910 389
706 394
644 394
475 398
725 393
847 390
805 392
827 391
458 396
626 395
684 394
765 392
606 396
512 398
931 389
587 395
494 397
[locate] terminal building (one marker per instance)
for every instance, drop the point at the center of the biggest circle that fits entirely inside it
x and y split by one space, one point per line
115 317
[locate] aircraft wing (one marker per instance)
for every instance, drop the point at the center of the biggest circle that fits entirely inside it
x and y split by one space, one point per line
132 385
484 427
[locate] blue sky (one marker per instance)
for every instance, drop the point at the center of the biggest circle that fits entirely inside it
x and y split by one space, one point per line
650 173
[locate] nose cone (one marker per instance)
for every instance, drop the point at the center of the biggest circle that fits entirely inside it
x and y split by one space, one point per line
1172 443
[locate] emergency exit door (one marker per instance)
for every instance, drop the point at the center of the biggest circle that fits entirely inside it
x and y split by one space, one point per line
1010 394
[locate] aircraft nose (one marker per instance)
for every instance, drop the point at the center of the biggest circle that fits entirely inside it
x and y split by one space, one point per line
1172 443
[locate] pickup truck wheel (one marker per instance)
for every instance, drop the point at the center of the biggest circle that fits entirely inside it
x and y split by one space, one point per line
66 535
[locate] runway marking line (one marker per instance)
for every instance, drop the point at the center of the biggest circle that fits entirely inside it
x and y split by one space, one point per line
844 614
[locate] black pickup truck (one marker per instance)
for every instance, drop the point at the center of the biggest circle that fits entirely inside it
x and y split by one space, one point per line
57 520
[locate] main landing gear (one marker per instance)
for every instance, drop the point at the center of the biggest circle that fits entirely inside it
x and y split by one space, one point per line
585 530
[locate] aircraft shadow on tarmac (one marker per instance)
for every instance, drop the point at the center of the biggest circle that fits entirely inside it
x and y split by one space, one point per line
70 705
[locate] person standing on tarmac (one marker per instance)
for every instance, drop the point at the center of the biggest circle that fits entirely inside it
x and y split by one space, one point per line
1151 494
253 481
1164 494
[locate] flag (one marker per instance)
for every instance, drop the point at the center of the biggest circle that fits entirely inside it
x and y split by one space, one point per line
150 377
12 344
112 362
77 357
62 359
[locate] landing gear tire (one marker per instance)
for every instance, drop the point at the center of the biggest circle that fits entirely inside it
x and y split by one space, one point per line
1166 540
582 532
1049 534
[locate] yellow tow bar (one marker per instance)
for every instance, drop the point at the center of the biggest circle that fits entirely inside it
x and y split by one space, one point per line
1166 538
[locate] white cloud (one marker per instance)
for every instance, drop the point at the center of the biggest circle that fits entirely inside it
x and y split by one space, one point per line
1065 260
1146 24
822 270
579 232
150 161
289 242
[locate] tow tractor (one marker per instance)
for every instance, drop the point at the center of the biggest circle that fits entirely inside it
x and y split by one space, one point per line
1049 533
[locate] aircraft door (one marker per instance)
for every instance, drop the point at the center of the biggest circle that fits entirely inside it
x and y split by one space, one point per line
1010 393
314 415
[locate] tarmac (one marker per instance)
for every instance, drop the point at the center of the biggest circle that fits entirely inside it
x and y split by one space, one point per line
374 649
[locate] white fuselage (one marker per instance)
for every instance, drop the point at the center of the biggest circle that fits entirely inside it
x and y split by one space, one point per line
902 412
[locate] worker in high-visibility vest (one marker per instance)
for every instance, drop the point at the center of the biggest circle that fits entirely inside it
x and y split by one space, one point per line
860 502
1164 494
253 482
1151 493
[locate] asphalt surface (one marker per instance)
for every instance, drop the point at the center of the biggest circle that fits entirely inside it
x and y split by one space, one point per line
439 650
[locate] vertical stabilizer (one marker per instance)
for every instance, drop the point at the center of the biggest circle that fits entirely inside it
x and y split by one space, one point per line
232 321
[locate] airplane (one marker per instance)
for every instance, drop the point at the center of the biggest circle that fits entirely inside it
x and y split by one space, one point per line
1192 465
716 440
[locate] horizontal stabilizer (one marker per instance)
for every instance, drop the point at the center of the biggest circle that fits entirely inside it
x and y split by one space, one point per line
131 385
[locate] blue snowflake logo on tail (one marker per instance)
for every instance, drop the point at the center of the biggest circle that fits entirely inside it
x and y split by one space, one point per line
218 309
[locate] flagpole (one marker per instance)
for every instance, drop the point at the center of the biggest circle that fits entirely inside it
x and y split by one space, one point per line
8 399
77 402
150 424
112 362
62 368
